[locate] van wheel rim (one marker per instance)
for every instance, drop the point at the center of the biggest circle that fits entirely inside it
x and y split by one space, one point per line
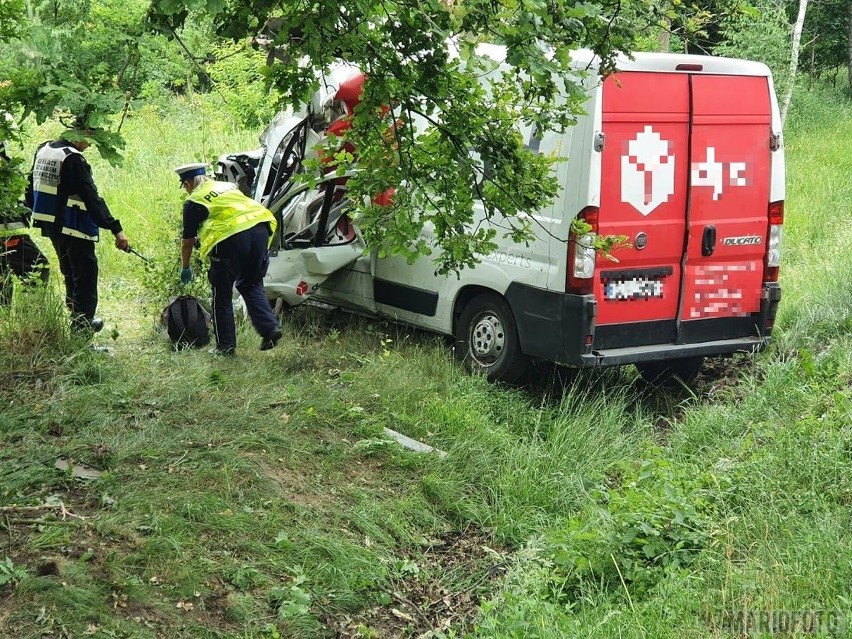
487 339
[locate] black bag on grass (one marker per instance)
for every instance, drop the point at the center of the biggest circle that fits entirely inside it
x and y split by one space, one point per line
187 322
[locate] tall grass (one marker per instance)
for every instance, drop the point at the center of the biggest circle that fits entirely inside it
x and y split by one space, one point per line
33 328
818 241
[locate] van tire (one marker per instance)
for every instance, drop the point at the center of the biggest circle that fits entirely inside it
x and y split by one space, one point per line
670 373
487 339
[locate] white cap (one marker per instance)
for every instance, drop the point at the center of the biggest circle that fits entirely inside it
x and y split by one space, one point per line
188 171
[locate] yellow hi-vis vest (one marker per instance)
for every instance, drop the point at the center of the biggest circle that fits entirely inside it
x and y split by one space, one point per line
13 221
228 212
13 228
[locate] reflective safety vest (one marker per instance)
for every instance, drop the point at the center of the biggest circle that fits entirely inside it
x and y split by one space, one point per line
74 220
228 212
12 224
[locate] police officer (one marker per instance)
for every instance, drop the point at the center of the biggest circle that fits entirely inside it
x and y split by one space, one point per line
235 231
18 253
68 209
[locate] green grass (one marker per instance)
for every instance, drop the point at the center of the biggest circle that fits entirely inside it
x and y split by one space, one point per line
817 238
257 497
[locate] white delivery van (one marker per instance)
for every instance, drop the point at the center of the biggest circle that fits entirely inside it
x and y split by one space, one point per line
681 154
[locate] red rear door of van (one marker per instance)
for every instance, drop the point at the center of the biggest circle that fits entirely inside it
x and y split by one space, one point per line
644 174
727 218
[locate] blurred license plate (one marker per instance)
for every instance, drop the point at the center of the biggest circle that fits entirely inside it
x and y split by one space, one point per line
633 289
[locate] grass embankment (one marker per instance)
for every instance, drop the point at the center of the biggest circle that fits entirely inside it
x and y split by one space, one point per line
258 497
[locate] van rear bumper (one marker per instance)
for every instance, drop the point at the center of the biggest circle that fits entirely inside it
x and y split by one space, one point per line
633 354
560 327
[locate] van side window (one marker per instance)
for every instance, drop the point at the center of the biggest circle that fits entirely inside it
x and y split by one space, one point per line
534 143
487 170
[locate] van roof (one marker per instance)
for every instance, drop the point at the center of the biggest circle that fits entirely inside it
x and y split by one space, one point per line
652 62
700 63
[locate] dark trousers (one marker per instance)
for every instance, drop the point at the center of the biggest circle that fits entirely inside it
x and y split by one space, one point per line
79 266
240 260
20 256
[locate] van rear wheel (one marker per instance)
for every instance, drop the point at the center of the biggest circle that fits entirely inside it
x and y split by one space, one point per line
487 339
670 372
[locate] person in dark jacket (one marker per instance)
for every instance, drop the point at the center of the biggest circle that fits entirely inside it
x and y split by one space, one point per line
235 232
19 255
67 208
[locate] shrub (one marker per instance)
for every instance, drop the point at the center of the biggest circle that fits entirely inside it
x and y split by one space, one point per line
10 573
657 518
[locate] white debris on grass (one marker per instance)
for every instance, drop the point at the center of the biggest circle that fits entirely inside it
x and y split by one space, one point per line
413 444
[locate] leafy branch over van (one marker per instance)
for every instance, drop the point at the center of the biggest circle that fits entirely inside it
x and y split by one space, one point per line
439 107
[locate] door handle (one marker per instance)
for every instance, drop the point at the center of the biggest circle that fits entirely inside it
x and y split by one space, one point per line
708 241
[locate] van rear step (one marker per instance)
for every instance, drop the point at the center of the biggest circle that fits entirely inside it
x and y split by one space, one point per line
633 354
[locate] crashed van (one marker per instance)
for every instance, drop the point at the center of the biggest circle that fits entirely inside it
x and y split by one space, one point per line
683 155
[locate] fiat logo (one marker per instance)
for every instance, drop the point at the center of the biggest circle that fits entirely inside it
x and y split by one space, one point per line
641 241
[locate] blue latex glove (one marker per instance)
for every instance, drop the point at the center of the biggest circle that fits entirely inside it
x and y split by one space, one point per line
185 275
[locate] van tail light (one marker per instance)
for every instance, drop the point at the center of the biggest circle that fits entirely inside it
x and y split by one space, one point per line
582 255
773 241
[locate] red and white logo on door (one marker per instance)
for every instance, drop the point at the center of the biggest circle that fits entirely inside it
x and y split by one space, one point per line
647 171
717 174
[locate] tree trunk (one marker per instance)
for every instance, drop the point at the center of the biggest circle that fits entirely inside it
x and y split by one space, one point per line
663 40
849 67
794 57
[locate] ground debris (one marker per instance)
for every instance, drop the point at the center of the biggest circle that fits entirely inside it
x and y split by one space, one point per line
81 471
413 444
63 511
423 606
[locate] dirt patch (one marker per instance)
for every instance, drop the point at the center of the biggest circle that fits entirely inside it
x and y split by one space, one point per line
719 374
453 575
295 486
90 544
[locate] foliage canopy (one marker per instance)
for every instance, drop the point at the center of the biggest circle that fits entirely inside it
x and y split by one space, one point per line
96 58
